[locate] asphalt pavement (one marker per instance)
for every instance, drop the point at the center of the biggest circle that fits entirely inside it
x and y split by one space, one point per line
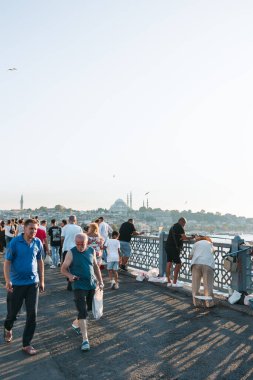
148 331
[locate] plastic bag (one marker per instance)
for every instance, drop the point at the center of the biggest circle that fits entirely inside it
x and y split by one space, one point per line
140 277
97 304
161 280
247 298
153 272
48 260
235 297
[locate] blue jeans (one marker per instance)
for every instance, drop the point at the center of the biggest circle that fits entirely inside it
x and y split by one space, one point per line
55 255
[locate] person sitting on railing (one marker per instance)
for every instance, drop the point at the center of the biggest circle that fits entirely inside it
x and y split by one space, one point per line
173 247
202 267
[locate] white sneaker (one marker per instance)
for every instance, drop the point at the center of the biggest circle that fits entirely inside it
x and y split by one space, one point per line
116 286
178 285
112 284
52 266
169 284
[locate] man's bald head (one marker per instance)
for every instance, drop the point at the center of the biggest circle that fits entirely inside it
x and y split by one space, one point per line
81 241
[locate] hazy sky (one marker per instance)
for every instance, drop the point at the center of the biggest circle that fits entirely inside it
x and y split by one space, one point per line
156 92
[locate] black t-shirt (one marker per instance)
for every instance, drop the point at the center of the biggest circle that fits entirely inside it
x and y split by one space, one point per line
55 236
174 239
126 230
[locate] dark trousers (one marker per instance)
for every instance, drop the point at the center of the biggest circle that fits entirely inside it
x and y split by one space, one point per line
83 300
8 239
29 294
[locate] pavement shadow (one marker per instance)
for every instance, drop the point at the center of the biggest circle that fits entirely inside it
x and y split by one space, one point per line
147 332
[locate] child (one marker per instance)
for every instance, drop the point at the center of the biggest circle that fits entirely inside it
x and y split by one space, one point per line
113 250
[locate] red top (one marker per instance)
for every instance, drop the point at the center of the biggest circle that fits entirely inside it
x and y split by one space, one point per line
41 234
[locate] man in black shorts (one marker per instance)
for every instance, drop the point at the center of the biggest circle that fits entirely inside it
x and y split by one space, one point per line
173 247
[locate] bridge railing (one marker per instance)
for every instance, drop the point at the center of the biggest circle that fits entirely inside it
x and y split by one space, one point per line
149 252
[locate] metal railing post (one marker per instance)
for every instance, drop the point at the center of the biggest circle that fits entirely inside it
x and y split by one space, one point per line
162 255
239 278
244 269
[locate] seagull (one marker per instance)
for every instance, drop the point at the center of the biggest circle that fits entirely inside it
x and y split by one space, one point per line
113 176
147 193
12 69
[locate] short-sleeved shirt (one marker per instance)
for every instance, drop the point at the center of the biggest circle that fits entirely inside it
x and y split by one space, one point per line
126 230
24 260
41 234
8 230
112 246
96 243
174 240
104 230
69 233
54 233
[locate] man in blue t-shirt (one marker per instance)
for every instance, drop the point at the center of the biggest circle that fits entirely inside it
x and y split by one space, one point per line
24 276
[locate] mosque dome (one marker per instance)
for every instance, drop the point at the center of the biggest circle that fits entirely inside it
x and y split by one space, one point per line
119 206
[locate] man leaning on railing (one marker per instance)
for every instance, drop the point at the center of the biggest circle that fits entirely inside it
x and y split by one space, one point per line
173 247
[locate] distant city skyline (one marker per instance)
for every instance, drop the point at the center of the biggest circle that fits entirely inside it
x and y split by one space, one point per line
127 203
100 98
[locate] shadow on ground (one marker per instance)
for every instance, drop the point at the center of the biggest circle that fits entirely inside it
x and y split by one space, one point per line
147 332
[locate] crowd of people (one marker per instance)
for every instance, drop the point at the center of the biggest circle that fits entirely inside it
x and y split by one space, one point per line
80 254
28 244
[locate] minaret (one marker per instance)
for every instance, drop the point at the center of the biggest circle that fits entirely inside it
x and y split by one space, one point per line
21 202
127 200
131 200
147 202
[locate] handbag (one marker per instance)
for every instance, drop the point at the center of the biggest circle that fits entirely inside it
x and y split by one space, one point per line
97 304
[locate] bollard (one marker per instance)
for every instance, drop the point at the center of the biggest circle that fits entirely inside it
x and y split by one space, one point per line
241 278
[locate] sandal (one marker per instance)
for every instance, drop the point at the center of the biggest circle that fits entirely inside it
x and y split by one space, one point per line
29 350
8 336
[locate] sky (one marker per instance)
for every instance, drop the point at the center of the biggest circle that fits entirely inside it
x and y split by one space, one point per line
113 96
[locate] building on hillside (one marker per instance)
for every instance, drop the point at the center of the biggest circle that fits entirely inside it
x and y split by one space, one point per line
119 207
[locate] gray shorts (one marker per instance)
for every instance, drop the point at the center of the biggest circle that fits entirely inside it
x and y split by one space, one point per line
125 249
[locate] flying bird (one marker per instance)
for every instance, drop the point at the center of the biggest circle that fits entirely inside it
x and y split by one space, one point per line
147 193
12 69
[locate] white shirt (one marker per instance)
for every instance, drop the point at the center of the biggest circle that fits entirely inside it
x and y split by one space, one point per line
202 253
104 230
112 247
7 231
69 233
20 229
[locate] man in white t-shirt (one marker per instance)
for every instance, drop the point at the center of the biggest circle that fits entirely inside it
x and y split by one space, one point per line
68 235
113 250
104 228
